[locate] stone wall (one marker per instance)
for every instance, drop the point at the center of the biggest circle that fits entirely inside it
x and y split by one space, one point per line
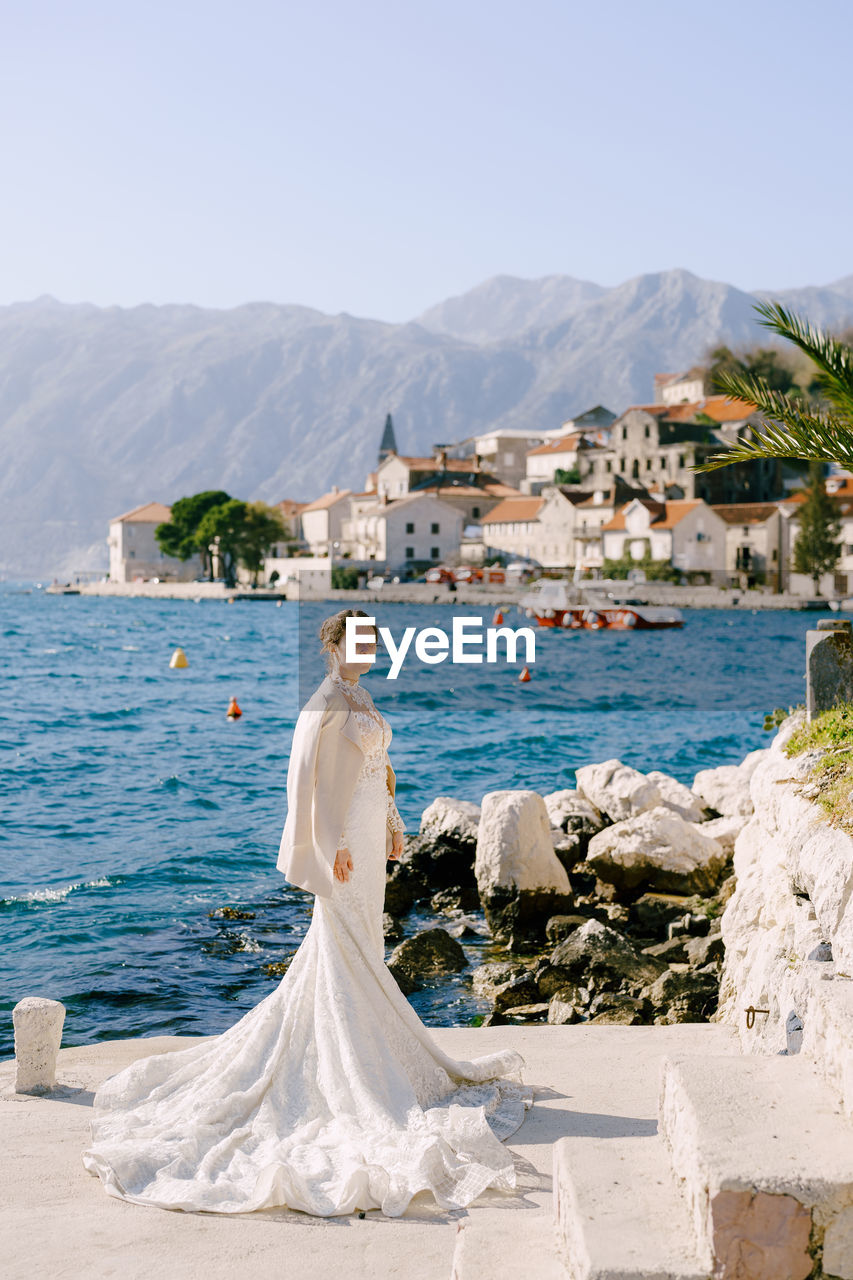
788 926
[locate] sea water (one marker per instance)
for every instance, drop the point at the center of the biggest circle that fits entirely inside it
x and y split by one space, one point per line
133 809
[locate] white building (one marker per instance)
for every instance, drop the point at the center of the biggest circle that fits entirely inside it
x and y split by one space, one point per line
322 521
686 532
512 527
397 531
840 581
676 388
545 459
135 554
755 548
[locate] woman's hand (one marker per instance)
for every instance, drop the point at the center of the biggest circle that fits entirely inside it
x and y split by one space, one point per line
396 845
343 864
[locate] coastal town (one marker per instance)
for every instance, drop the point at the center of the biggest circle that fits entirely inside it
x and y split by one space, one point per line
602 495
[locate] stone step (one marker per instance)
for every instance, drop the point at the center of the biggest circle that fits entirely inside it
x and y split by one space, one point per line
520 1244
765 1156
621 1214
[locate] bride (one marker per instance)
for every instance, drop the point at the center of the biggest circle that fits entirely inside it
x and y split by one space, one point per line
330 1095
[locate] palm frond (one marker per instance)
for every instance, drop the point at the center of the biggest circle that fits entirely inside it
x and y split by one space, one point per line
834 359
791 429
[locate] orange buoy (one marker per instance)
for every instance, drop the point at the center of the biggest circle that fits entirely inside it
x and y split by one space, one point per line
233 710
524 674
498 618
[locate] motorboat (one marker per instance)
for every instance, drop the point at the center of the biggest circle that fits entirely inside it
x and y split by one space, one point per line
578 607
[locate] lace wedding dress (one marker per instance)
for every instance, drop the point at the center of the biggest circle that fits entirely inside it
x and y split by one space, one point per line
330 1095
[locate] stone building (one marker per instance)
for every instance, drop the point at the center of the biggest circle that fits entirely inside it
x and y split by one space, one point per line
544 460
135 554
399 532
512 527
321 521
656 445
840 581
686 533
755 548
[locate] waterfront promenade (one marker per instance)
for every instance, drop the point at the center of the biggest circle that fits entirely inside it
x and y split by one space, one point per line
438 593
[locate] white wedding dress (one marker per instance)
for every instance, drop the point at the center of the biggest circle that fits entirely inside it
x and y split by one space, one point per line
330 1095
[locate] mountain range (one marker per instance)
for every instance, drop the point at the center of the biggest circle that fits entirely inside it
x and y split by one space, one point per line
105 408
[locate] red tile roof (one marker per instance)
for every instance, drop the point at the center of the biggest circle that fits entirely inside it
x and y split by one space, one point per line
745 512
521 508
327 500
665 515
148 513
562 444
720 408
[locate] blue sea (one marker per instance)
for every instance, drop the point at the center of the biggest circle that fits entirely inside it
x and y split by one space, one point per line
133 809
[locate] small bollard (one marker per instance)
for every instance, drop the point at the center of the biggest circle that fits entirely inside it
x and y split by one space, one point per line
829 665
38 1035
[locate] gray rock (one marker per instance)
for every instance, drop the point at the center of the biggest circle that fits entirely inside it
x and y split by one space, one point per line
629 1011
684 996
673 949
559 927
403 887
458 899
562 1012
428 953
527 1012
391 928
486 978
438 863
597 951
658 850
701 951
650 914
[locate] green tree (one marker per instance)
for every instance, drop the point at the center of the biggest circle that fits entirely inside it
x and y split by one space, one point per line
567 475
794 427
225 524
262 527
179 535
815 550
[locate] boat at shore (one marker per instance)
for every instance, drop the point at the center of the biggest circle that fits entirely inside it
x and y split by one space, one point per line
575 607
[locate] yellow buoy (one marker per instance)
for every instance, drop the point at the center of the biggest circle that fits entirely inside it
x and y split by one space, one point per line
178 658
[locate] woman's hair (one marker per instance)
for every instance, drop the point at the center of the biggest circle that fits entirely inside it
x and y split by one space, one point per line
334 629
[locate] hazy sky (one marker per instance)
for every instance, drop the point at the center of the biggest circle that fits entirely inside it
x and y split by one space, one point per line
377 157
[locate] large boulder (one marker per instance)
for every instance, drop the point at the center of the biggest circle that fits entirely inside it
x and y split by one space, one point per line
726 788
573 813
616 789
676 796
658 850
597 955
430 952
725 830
520 878
452 821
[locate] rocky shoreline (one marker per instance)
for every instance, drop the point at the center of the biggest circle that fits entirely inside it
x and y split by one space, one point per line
605 899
